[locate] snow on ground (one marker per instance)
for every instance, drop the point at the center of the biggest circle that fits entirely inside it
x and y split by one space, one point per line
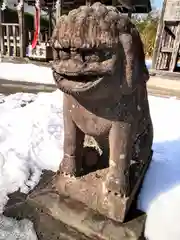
160 195
26 72
31 139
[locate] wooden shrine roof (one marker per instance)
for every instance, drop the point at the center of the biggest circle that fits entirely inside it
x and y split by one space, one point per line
140 6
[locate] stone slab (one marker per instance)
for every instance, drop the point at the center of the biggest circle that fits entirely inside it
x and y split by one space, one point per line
56 217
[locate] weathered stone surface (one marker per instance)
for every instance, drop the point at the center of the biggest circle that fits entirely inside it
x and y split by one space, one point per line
59 217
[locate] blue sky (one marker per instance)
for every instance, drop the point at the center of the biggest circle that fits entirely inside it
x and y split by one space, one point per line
157 3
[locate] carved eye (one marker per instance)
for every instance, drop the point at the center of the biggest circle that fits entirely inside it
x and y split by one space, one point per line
92 58
64 54
92 55
96 55
76 56
89 55
108 55
105 55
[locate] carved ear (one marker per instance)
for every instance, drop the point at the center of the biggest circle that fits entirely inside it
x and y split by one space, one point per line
139 52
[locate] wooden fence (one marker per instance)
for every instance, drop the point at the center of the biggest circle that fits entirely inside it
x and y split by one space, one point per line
167 45
10 40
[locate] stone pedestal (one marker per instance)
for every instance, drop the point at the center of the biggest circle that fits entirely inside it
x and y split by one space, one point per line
75 211
89 190
57 217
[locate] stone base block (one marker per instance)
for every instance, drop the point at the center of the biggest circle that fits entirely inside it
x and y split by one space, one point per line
89 189
57 217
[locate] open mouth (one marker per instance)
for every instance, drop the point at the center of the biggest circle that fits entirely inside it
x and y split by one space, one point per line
80 78
76 83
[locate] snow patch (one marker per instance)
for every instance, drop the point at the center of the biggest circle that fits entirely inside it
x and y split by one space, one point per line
26 72
11 229
160 195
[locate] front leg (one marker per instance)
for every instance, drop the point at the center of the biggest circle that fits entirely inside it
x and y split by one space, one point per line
73 143
120 144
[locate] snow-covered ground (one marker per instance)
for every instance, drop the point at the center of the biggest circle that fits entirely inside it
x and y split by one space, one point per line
31 139
25 72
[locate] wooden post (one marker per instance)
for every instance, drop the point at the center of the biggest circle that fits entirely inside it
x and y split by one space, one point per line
50 22
8 41
14 40
20 9
158 37
1 36
175 50
58 9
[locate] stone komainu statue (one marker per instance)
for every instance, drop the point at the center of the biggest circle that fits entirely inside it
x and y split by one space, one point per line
99 64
